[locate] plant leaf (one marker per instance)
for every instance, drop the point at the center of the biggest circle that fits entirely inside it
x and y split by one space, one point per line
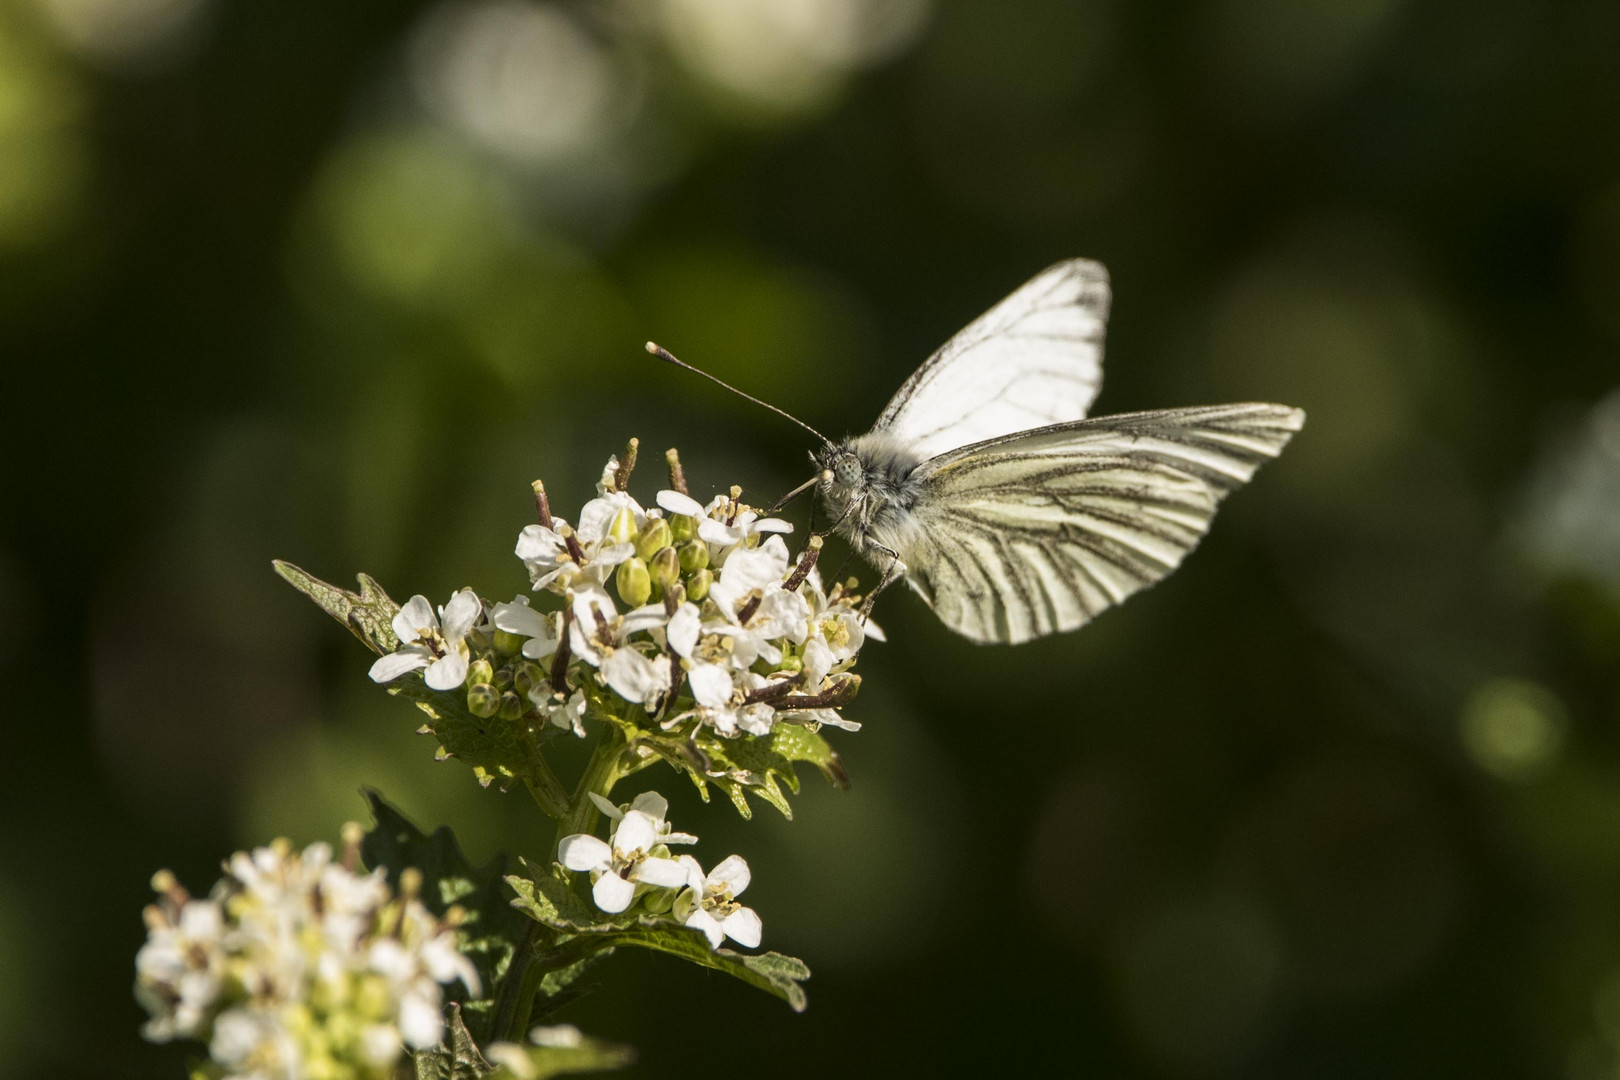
369 613
539 897
495 749
796 742
457 1058
491 928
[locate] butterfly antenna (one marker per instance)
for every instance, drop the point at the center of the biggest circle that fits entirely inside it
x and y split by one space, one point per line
669 357
820 477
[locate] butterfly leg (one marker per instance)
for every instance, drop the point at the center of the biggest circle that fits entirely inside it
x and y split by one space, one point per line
889 577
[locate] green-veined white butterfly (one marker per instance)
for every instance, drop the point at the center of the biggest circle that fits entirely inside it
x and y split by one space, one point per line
984 486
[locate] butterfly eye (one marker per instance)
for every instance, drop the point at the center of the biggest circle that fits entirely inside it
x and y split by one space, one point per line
847 469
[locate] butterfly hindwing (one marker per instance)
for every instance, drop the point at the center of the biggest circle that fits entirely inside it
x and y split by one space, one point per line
1034 533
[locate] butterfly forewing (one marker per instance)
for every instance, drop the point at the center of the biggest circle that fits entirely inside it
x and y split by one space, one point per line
1035 533
1032 360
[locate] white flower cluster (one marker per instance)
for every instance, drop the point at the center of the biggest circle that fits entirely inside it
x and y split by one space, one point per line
634 862
679 601
296 965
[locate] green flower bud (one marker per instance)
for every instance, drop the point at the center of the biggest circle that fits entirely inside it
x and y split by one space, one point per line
665 568
655 536
790 663
623 528
682 528
480 671
697 586
659 901
694 556
635 583
526 675
511 706
508 643
503 677
483 699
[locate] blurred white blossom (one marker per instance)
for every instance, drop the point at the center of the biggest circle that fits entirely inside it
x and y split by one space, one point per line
296 965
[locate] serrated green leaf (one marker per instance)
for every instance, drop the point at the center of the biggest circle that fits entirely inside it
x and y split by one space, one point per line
546 899
368 614
491 928
497 750
456 1058
772 972
796 742
587 933
588 1055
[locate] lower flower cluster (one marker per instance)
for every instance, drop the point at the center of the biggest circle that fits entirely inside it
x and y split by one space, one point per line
297 965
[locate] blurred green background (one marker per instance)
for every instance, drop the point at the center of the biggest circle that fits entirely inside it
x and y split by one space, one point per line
334 281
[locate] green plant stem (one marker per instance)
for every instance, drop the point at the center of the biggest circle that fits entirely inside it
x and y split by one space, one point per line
545 788
602 771
515 1002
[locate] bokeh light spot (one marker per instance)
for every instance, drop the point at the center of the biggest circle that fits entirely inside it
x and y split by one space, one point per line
413 218
125 34
1569 523
520 79
1513 728
43 159
787 56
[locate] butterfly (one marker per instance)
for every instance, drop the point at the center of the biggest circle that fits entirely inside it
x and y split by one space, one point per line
987 490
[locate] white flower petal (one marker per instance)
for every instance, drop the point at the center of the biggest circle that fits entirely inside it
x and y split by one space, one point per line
612 555
582 851
519 618
512 1058
448 672
380 1045
652 804
594 519
732 873
818 661
461 614
604 804
694 873
634 677
612 893
636 832
702 920
392 666
685 627
642 618
711 685
718 533
756 719
743 927
536 542
676 503
416 616
665 873
772 525
757 568
421 1024
832 718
